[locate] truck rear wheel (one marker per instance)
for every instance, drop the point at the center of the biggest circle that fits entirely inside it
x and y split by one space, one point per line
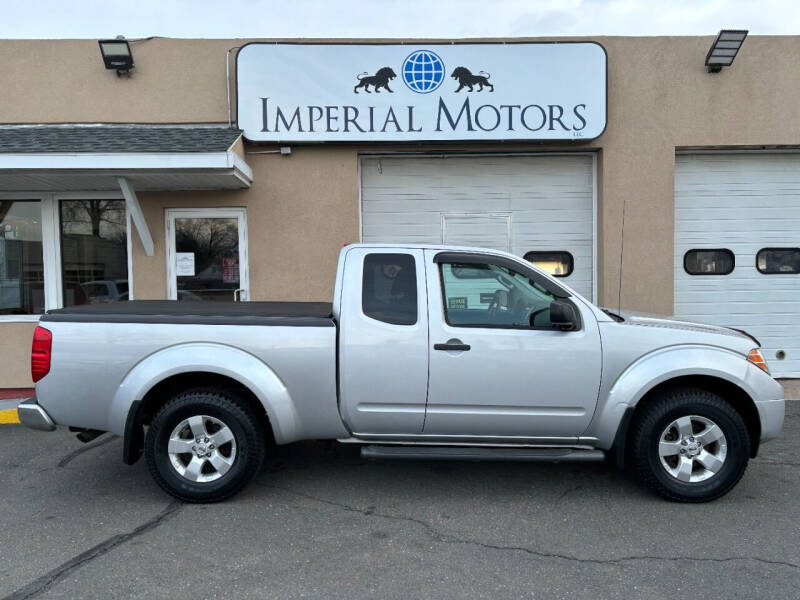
204 445
689 445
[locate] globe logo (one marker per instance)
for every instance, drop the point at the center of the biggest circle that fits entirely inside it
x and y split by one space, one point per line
423 71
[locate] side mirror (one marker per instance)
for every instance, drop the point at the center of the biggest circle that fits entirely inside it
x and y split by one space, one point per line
563 316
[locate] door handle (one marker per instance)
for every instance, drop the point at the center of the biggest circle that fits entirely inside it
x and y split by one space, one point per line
452 345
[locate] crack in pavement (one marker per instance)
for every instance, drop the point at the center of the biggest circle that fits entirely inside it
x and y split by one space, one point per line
448 538
48 580
90 446
778 462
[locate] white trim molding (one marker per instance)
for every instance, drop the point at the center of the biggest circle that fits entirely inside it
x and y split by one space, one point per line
233 169
135 212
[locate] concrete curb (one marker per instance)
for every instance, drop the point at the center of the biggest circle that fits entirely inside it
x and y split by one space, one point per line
791 388
9 398
8 411
9 417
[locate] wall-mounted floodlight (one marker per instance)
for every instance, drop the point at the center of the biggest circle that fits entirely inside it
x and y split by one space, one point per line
724 49
117 55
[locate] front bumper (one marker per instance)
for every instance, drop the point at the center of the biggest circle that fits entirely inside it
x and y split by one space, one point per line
33 416
771 414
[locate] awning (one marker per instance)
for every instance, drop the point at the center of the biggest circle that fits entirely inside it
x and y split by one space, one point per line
122 158
93 157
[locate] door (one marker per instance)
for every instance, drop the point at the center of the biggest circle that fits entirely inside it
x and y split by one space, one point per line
383 342
498 367
547 202
737 248
207 254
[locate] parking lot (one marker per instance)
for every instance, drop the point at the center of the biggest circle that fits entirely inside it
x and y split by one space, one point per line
321 523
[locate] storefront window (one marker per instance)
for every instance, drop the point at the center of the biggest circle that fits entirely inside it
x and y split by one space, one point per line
94 251
21 258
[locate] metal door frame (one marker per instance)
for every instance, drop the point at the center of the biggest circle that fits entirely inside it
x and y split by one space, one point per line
240 214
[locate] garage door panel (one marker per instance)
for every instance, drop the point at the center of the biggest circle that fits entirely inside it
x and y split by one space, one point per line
744 203
777 297
548 200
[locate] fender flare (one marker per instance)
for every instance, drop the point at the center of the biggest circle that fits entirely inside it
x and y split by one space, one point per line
613 415
219 359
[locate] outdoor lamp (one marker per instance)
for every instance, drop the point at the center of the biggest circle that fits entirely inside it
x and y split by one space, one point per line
724 49
117 54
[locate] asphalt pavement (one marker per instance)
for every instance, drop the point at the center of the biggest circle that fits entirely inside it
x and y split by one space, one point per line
319 522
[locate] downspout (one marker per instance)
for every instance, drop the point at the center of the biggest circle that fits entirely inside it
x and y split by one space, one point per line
228 82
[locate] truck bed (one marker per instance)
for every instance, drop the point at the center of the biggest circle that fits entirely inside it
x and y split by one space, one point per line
287 314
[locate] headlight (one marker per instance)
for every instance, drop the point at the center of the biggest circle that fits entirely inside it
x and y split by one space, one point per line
757 359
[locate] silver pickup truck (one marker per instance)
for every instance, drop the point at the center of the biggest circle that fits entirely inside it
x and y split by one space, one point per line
425 353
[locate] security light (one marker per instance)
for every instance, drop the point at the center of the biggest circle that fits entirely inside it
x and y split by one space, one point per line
724 49
117 54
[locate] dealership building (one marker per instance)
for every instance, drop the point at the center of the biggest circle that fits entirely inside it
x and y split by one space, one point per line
236 170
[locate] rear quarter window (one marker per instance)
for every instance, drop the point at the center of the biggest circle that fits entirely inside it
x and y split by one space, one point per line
389 288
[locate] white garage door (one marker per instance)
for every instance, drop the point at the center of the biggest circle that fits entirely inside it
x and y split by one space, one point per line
743 203
513 203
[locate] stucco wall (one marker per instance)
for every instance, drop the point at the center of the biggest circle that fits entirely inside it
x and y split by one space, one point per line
15 354
300 211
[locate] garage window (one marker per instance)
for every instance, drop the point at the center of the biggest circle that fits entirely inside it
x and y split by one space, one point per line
558 263
778 261
389 288
717 261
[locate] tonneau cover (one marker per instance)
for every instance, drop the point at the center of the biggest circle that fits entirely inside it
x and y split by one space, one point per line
315 314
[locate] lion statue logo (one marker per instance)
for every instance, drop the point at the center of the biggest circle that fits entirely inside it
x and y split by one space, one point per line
379 80
465 78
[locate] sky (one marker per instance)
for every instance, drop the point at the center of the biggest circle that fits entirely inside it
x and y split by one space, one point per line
391 18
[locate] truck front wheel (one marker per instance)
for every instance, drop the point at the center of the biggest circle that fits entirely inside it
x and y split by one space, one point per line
204 445
689 445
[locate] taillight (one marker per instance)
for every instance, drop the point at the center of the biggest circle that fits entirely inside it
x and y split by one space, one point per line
40 353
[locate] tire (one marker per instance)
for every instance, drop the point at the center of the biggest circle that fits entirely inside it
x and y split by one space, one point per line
715 463
211 471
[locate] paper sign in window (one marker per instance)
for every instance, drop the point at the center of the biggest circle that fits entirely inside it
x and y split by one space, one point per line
184 264
230 270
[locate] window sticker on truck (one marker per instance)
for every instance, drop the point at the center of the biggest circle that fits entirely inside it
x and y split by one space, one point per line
458 302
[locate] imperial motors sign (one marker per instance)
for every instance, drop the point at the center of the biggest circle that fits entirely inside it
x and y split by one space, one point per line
421 92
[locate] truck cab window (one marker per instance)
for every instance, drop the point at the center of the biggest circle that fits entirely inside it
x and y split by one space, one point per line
389 288
487 295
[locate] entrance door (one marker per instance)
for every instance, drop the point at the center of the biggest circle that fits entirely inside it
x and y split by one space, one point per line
498 367
207 254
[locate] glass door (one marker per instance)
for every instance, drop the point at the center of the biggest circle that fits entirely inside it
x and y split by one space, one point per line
207 254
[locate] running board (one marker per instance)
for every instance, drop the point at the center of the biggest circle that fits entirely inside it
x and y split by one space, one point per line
482 453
